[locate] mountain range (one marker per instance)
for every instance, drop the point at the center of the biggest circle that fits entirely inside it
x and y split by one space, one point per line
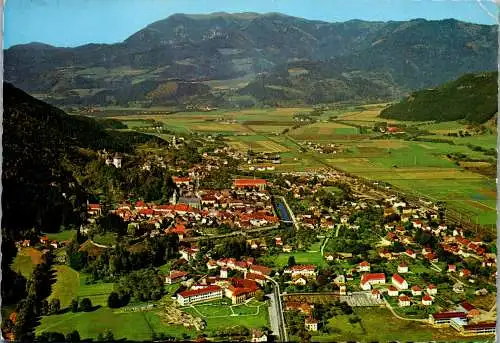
245 59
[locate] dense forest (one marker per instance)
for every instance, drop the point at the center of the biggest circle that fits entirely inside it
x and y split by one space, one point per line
472 97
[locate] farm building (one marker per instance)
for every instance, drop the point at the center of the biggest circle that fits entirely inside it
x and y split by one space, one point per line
371 279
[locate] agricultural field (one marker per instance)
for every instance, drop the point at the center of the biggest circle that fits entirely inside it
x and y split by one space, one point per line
323 131
26 260
413 166
422 168
369 329
257 143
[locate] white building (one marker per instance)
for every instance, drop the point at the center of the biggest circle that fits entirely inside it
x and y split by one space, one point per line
199 295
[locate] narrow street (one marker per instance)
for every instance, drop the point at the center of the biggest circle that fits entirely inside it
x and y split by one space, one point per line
403 318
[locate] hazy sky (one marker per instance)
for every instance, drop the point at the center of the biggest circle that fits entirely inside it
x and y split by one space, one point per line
77 22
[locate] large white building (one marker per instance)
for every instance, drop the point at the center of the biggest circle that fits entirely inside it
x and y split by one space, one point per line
199 295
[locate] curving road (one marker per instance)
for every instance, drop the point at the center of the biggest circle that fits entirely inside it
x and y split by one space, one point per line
403 318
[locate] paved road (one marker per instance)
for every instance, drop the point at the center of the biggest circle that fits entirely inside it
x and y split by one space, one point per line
274 317
276 313
403 318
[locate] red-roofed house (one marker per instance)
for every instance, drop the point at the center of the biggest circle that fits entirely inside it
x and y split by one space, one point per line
452 268
140 205
410 253
199 295
146 212
364 267
465 272
415 290
258 336
470 309
262 270
94 209
181 180
376 294
175 276
403 301
392 291
241 290
399 282
367 280
260 279
403 268
432 289
301 270
427 300
250 183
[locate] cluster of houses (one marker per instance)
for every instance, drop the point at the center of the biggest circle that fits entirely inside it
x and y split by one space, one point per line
246 205
111 159
329 148
44 241
215 287
301 274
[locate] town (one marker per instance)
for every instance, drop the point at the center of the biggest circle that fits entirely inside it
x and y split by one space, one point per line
303 240
270 171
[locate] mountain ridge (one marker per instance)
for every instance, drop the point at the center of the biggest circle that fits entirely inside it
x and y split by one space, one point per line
224 46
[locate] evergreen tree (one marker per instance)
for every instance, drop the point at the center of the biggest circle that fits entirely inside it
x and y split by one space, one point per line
73 336
86 305
114 300
74 305
55 306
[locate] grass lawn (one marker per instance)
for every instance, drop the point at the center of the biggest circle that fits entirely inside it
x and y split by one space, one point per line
71 285
64 235
301 257
25 261
97 293
137 326
377 324
66 286
108 239
219 315
132 326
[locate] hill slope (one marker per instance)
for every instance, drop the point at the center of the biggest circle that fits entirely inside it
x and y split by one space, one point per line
41 144
472 97
191 49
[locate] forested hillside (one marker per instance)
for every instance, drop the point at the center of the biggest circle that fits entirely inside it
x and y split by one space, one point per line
172 61
472 97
